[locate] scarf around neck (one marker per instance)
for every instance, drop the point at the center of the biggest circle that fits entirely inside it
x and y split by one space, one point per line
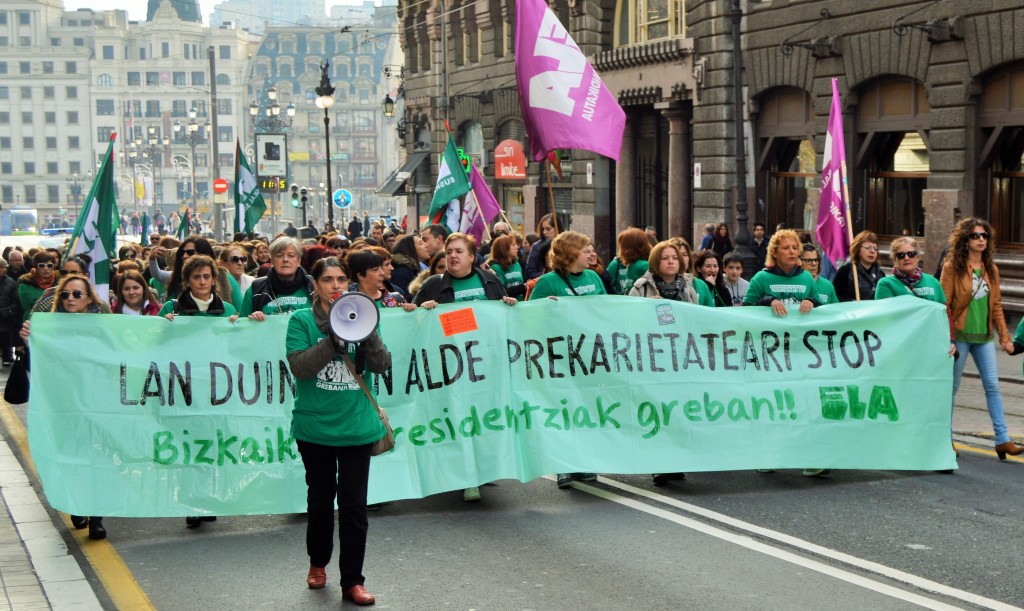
908 279
287 287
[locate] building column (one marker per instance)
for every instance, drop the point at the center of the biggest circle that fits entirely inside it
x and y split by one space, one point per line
625 180
680 208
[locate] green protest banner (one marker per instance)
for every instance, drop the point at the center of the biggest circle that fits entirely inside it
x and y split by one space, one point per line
162 418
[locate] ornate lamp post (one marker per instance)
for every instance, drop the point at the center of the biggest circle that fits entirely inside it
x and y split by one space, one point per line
193 134
75 186
154 151
325 99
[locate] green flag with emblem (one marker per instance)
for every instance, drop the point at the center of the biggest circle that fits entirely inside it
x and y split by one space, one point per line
249 204
96 229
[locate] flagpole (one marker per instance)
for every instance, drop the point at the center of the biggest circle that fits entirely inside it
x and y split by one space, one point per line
849 227
551 195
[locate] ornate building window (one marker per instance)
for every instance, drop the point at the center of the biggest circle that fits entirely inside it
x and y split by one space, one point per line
640 21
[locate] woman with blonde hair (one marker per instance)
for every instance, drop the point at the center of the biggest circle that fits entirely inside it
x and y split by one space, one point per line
782 261
970 280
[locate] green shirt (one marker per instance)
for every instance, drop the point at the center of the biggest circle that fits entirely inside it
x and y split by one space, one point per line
551 284
28 295
825 293
168 308
976 327
299 300
236 292
790 290
470 288
704 296
330 409
623 278
926 288
511 276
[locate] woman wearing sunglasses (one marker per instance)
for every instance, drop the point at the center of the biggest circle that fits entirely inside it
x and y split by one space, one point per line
234 259
970 280
226 286
76 295
32 285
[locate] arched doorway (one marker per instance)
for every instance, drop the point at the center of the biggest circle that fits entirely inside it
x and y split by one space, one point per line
892 157
786 159
1001 159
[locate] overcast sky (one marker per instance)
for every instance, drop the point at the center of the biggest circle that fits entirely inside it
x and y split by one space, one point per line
137 8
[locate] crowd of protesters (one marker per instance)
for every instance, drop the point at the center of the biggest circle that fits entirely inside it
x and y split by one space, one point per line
257 278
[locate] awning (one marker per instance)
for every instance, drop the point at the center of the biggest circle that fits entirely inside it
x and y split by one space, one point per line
397 180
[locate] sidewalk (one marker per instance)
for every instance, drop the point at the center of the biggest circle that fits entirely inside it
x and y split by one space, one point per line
37 571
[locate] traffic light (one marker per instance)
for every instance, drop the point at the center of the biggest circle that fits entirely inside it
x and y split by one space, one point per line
305 198
464 159
295 196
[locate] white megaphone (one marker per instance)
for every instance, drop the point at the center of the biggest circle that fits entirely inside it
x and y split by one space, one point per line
353 317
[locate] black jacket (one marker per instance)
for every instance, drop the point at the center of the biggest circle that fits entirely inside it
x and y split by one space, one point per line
867 278
439 288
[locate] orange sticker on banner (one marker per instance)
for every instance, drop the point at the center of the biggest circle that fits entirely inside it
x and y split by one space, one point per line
459 321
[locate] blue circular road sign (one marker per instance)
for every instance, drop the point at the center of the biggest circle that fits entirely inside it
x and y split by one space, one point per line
342 198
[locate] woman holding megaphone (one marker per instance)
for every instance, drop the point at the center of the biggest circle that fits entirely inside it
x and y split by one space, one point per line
334 425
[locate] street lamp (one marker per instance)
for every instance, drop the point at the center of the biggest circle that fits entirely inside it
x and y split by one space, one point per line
193 134
153 151
75 186
325 99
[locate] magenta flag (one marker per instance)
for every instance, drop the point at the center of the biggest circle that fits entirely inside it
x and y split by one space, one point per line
564 102
489 207
479 208
834 234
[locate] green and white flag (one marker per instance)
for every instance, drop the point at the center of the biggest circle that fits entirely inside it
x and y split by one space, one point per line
452 183
96 230
182 232
249 204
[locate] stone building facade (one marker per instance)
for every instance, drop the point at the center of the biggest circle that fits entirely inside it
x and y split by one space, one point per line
933 104
933 109
461 69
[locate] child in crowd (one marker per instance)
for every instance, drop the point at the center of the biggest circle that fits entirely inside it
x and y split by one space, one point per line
735 285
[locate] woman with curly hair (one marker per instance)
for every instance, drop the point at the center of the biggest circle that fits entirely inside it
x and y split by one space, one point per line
970 280
782 263
630 262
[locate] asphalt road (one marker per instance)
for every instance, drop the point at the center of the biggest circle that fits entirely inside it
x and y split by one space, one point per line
532 546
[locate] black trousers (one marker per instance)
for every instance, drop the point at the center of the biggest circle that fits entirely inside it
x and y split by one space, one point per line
341 472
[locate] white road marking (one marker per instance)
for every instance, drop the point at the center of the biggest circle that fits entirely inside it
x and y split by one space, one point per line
832 571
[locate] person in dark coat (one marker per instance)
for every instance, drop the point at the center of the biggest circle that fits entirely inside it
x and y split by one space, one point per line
10 314
355 228
863 254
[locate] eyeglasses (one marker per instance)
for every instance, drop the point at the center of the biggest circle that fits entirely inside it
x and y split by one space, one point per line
978 235
910 254
70 294
130 255
869 248
809 260
237 259
44 265
188 253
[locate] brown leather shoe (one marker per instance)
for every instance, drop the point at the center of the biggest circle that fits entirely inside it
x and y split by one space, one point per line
358 595
1008 448
317 577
